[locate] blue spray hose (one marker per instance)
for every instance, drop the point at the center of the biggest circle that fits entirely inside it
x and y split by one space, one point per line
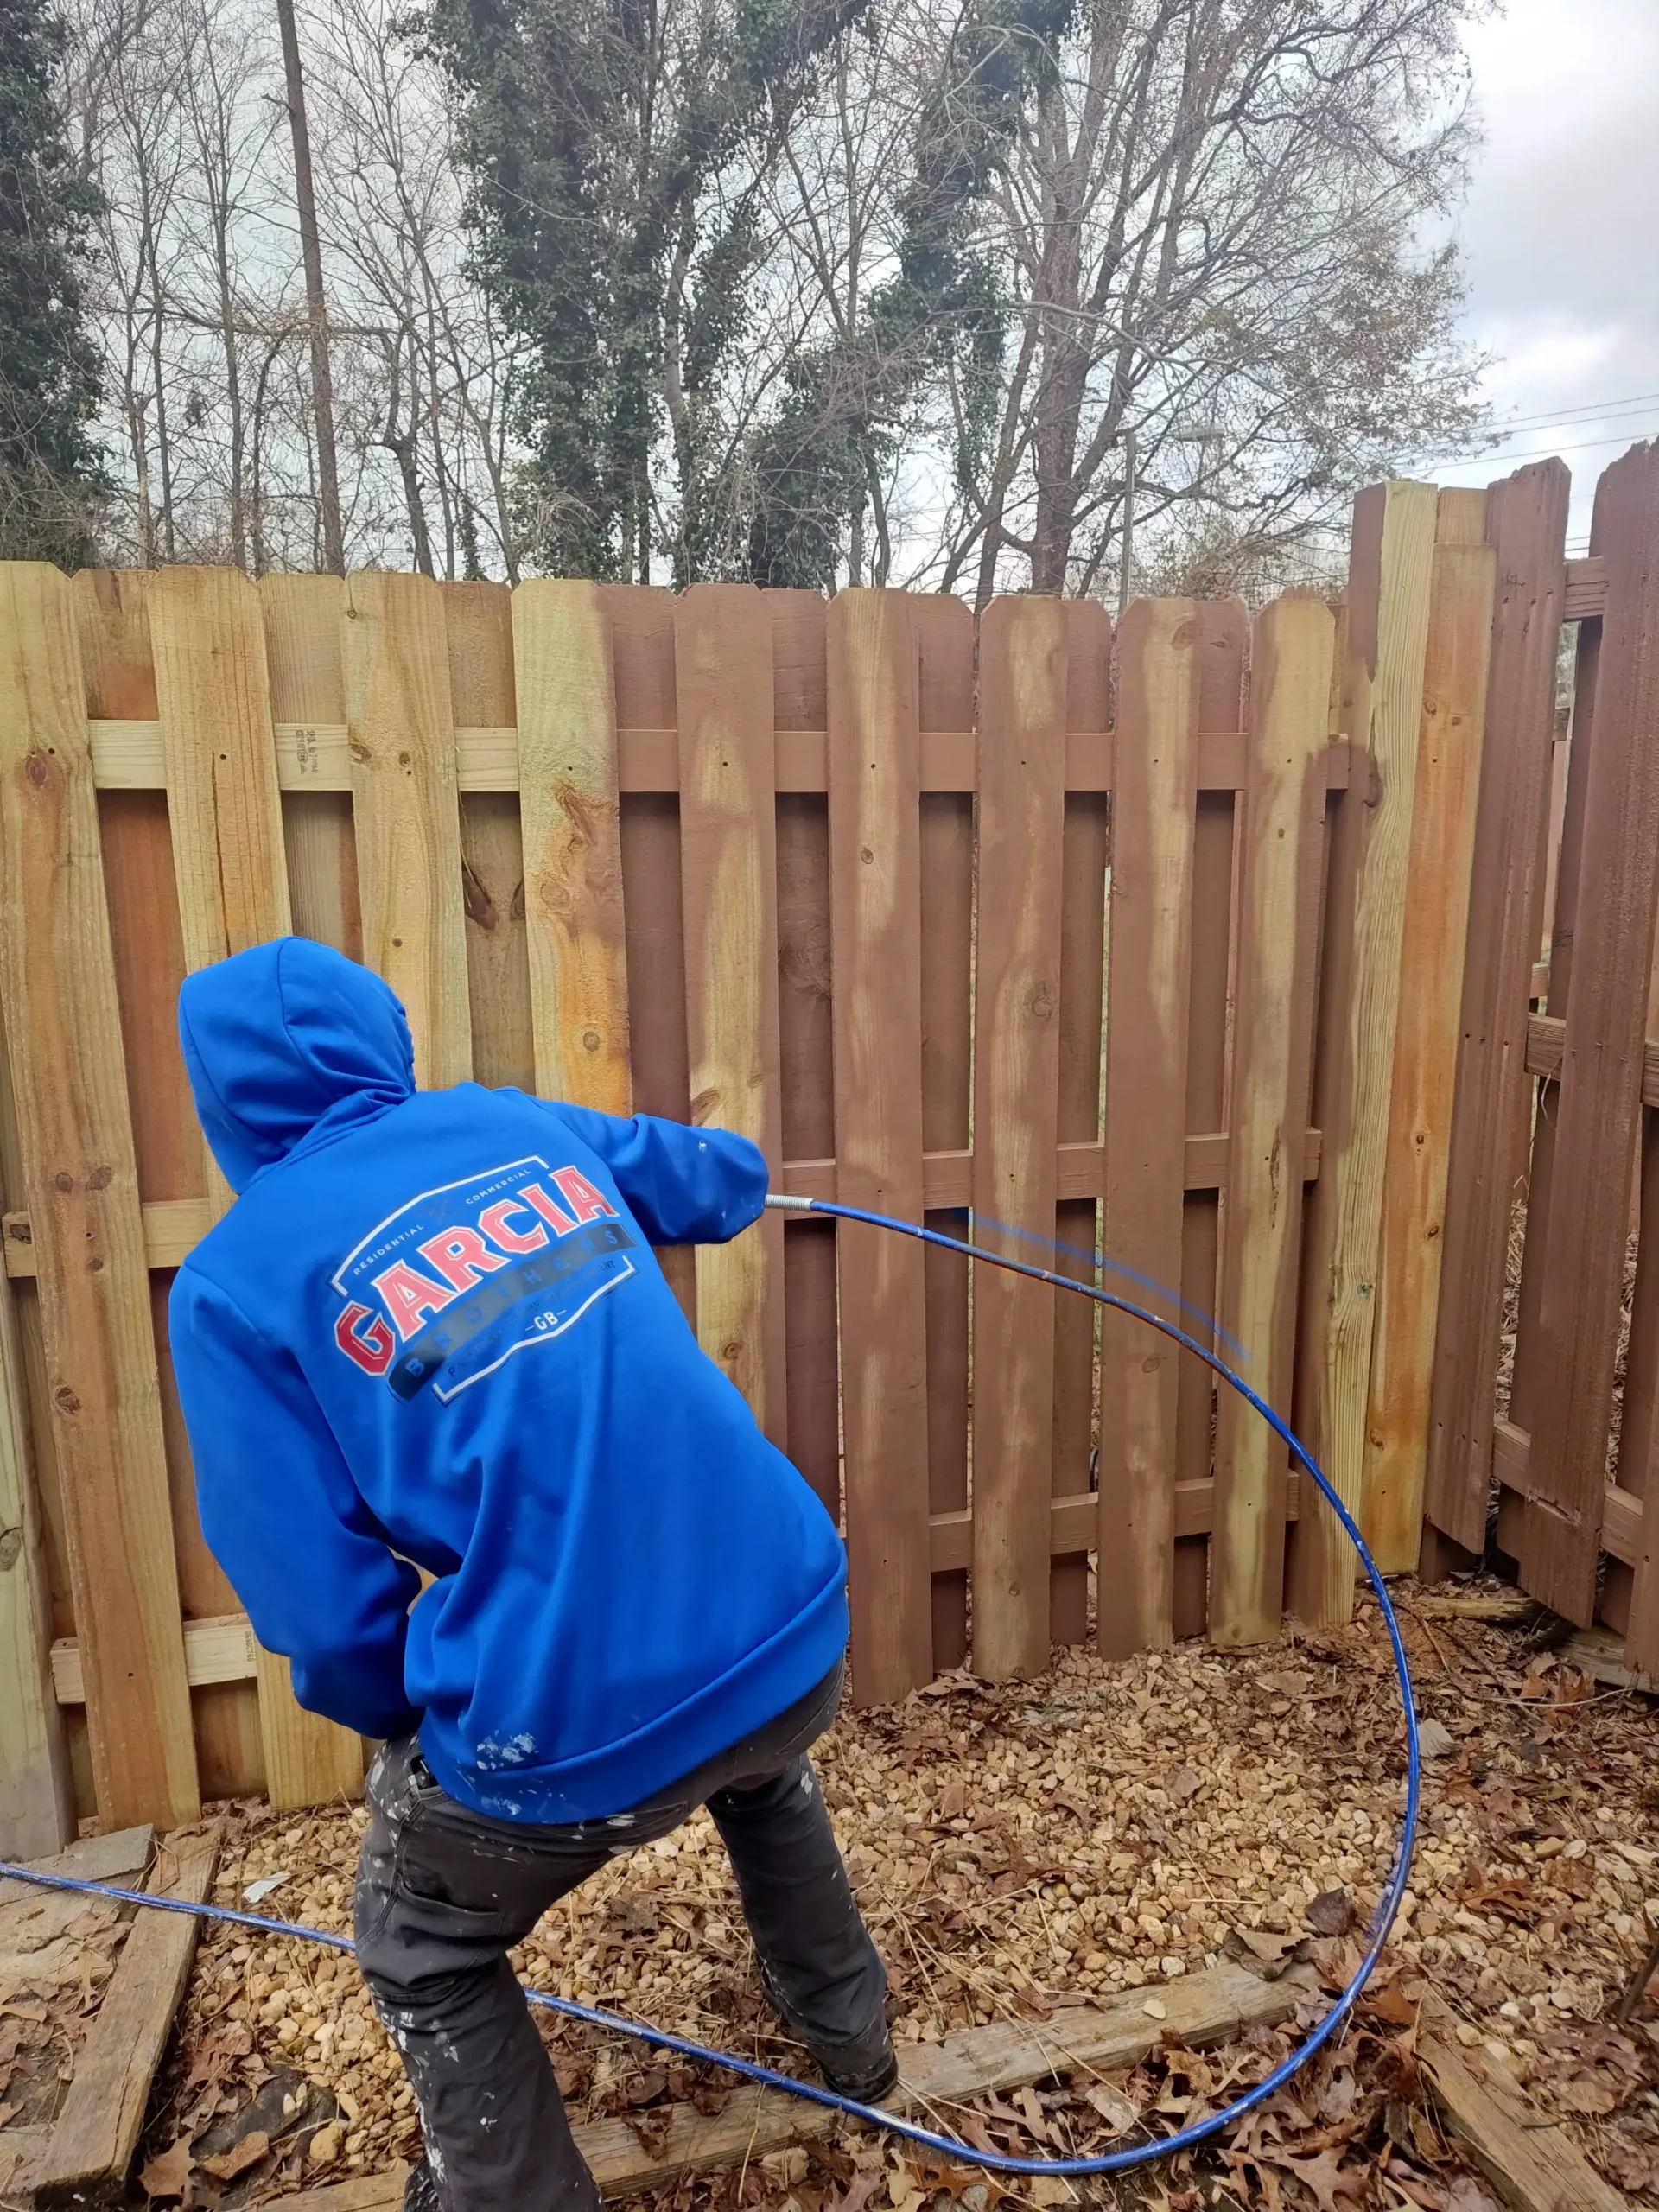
927 2138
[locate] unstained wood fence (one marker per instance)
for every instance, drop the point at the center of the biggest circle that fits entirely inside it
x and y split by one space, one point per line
1148 943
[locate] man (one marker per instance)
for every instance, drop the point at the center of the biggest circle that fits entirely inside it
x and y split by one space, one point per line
432 1330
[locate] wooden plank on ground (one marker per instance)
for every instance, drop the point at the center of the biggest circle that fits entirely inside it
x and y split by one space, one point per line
875 909
98 2125
722 654
1433 953
1022 711
1283 830
80 1185
1199 2011
944 637
1526 521
1146 997
1598 1107
406 812
1085 854
572 853
800 700
1534 2167
1389 575
214 700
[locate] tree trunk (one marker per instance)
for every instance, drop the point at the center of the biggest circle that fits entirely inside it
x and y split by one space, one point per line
317 305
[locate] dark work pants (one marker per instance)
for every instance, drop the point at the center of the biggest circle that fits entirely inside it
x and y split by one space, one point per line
443 1894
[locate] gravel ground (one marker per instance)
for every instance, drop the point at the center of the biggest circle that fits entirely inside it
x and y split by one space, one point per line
1109 1827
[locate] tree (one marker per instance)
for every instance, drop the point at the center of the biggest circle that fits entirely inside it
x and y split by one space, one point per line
1203 216
51 475
618 154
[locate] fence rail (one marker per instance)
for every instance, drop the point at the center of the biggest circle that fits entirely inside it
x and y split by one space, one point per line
1115 941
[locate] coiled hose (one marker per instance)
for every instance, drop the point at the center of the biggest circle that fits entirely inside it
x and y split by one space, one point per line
950 2146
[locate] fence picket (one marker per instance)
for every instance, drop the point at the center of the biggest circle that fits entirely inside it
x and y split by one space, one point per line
875 840
806 1046
213 703
406 812
572 842
1526 526
1085 850
80 1182
1154 798
306 666
1389 574
1426 1043
1022 723
1282 835
477 619
722 656
1600 1096
944 639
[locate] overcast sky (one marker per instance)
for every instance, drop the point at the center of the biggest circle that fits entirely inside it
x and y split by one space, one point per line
1561 233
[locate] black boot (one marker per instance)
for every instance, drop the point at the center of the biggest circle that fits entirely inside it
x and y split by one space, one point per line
863 2067
421 2190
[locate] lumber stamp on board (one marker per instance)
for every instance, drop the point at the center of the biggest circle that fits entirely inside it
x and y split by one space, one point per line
1198 2010
1534 2167
92 2143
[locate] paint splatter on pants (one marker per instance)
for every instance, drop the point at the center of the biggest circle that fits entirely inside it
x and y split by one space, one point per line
444 1893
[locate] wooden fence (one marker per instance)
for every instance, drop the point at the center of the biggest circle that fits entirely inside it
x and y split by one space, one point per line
1556 1074
1127 938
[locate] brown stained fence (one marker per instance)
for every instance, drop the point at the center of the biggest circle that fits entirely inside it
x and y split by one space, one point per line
1556 1069
1072 935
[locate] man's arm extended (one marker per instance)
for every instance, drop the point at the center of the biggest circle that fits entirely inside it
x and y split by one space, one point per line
683 1185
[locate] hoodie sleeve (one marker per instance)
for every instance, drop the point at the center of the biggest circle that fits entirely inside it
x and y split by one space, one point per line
283 1518
683 1186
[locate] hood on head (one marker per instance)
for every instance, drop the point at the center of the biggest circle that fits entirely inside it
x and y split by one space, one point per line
283 1038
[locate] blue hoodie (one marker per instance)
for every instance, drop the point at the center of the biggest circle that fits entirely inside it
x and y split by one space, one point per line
431 1329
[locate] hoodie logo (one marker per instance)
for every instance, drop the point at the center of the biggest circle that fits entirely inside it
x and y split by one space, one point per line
459 1279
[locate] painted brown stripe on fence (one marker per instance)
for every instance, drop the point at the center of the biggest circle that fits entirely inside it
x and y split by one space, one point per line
1146 997
874 858
213 698
1526 521
722 650
80 1183
1426 1048
1599 1089
1085 850
806 1047
944 636
1281 834
406 812
1021 818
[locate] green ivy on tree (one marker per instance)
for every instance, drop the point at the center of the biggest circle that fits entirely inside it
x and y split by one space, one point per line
51 472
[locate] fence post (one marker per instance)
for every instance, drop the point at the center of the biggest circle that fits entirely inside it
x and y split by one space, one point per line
1282 832
1389 572
1022 722
63 1033
1154 800
1433 955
